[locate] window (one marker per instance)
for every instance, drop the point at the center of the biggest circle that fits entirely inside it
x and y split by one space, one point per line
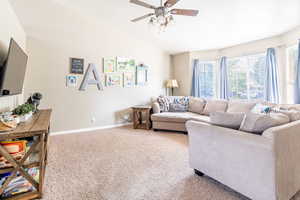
292 54
207 79
247 76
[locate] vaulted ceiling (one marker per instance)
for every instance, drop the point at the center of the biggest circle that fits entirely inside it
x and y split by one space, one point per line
220 23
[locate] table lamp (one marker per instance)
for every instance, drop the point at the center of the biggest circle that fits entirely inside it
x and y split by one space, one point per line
172 84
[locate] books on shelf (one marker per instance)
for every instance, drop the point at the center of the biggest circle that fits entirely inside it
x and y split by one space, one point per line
17 150
19 184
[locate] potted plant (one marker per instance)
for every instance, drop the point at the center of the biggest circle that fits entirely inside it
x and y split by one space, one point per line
24 111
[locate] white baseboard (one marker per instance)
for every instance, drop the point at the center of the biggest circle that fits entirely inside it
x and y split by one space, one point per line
89 129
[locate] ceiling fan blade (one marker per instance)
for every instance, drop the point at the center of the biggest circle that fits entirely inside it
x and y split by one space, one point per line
185 12
141 3
142 17
170 3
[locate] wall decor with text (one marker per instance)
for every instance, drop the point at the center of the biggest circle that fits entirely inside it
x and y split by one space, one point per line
125 64
77 65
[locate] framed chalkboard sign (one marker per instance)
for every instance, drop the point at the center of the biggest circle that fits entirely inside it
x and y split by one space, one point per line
77 65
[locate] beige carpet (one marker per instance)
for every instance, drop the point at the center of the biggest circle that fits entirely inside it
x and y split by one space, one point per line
126 164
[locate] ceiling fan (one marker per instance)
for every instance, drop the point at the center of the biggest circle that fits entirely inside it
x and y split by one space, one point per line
163 14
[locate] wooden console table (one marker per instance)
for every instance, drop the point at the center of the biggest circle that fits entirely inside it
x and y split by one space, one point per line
37 126
138 118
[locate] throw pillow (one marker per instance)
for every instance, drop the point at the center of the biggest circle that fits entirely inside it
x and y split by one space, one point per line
164 103
258 123
293 115
261 108
176 107
240 106
225 119
215 106
196 105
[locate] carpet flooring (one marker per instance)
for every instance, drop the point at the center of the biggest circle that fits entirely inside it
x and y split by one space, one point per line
126 164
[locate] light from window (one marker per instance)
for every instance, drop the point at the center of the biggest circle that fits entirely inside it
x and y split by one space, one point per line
292 54
207 79
247 76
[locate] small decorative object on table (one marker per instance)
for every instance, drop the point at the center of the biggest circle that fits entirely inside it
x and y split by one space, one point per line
138 117
35 100
24 111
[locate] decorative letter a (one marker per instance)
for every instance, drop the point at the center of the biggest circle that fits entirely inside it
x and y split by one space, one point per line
86 81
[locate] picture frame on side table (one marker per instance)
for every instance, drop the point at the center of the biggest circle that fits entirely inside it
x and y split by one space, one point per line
114 80
142 75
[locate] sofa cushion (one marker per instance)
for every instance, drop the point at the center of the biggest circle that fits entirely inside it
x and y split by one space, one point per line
240 106
215 106
293 115
196 105
178 117
261 108
228 120
258 123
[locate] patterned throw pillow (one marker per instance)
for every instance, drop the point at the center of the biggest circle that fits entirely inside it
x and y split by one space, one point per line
164 103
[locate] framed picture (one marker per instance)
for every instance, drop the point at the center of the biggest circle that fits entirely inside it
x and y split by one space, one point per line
141 74
77 65
114 80
128 79
125 64
71 81
109 65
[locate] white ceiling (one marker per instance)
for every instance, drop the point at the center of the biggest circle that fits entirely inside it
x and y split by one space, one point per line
220 23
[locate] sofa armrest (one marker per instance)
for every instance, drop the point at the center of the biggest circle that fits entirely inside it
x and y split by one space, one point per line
155 107
286 143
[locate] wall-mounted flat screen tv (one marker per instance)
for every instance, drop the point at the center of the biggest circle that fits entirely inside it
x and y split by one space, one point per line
12 73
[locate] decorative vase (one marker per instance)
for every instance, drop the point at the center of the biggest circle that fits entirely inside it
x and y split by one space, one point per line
24 118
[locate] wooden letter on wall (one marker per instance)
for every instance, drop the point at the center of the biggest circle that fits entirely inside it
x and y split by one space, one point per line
87 81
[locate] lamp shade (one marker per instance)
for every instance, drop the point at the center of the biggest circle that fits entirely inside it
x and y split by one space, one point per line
172 84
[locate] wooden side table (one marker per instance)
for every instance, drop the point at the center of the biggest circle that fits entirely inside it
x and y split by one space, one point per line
138 117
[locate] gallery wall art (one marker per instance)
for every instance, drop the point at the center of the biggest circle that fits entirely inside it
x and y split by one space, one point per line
109 65
71 81
141 75
125 64
129 79
117 72
77 65
114 80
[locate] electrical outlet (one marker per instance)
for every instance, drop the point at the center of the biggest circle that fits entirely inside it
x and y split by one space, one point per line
93 120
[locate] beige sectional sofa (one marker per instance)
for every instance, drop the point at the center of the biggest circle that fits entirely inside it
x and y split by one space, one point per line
262 166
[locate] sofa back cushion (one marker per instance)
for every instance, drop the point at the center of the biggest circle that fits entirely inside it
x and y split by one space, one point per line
258 123
228 120
196 105
240 106
214 106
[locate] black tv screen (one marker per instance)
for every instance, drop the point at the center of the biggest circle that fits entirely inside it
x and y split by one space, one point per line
13 72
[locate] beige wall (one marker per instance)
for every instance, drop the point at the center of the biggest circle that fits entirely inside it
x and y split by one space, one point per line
50 51
279 42
10 27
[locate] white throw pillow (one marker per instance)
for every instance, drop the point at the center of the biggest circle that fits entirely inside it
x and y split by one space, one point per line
228 120
240 106
215 106
258 123
196 105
